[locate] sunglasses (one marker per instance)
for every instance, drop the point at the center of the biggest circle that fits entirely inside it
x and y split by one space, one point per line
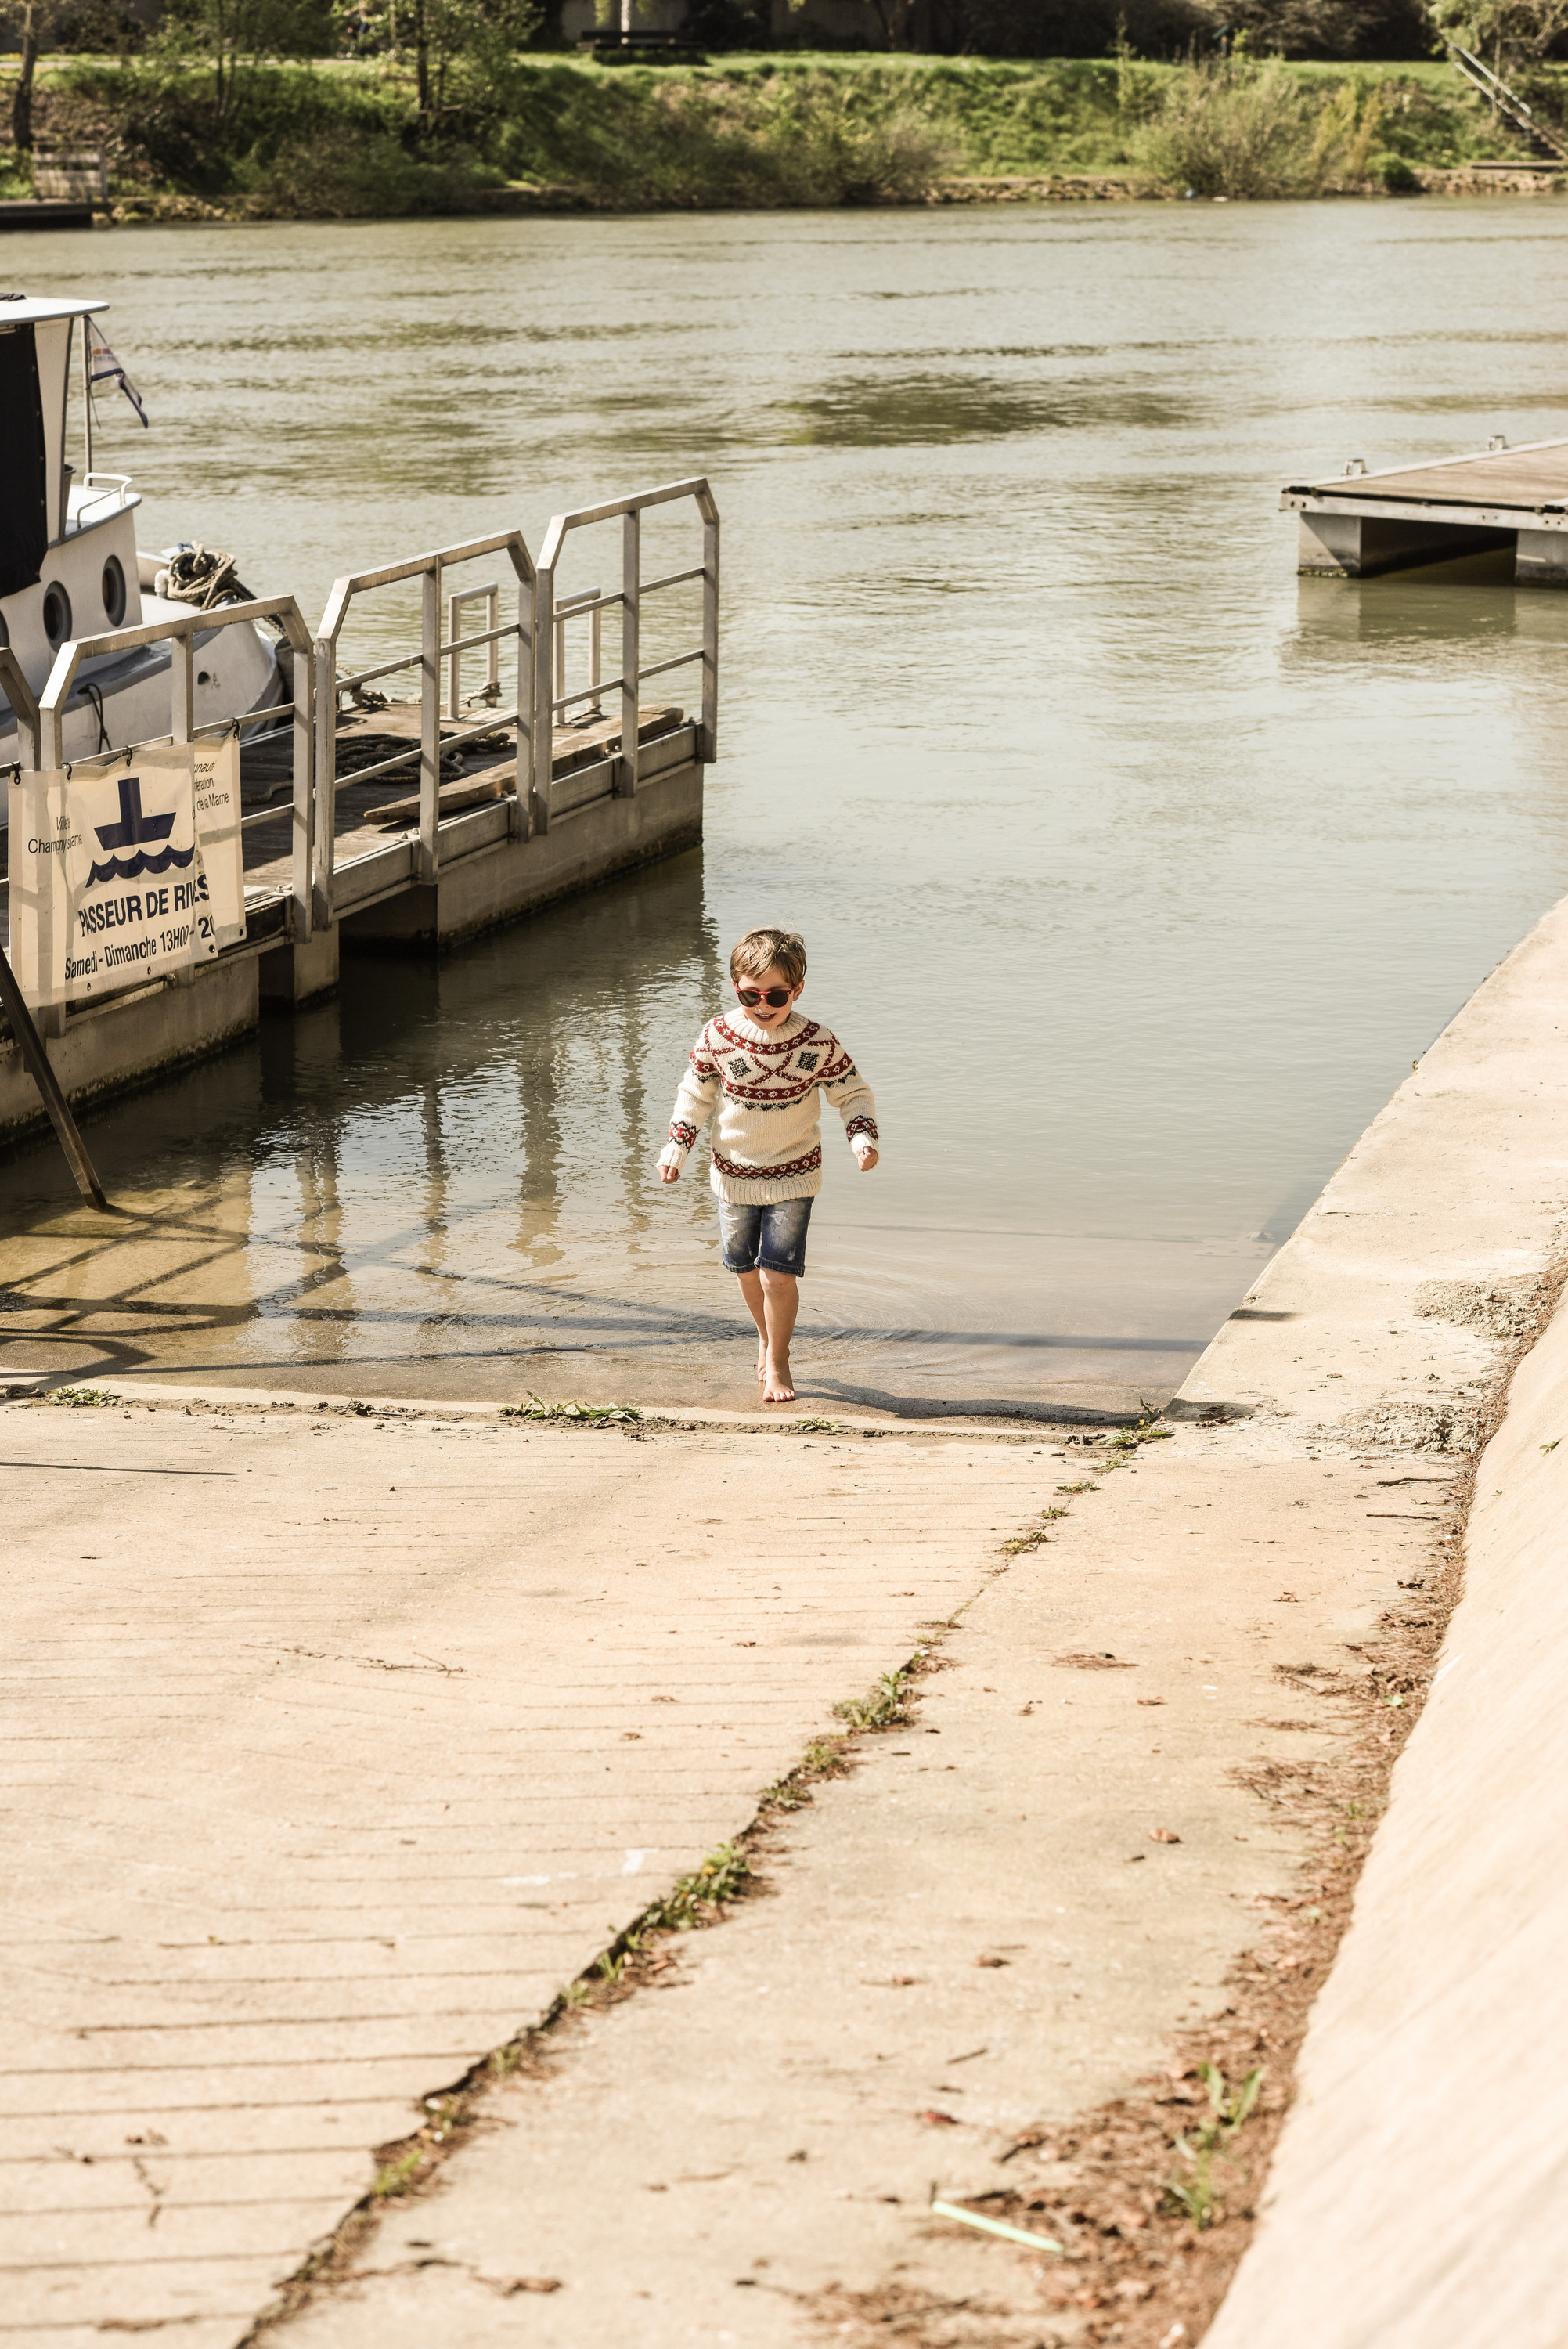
775 998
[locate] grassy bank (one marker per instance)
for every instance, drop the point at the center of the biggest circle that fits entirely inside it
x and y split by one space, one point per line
338 139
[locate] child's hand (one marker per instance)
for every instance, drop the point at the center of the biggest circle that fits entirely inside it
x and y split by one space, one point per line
868 1159
669 1173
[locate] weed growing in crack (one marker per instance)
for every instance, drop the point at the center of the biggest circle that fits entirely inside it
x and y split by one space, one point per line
1195 2196
586 1415
398 2176
886 1704
1128 1439
721 1877
1033 1535
823 1760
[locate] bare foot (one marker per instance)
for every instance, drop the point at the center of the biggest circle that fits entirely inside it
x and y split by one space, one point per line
761 1359
779 1386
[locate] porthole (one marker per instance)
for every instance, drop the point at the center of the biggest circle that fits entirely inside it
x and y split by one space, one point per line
56 614
113 592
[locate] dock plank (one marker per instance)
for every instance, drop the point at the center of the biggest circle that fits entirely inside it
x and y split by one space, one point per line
1522 479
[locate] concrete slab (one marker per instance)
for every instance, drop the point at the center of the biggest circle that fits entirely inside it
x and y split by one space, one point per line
979 1923
341 1746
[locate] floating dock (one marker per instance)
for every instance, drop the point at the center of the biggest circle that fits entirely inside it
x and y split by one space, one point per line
380 819
1500 501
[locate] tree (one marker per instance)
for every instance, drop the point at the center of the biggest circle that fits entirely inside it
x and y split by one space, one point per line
235 35
1511 29
37 22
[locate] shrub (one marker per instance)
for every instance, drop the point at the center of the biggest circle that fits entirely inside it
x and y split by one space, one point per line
1230 127
351 174
1395 176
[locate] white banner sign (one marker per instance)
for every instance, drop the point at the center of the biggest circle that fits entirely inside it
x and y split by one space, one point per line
124 870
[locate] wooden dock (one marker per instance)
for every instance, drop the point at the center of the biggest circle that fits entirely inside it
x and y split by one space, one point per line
1508 504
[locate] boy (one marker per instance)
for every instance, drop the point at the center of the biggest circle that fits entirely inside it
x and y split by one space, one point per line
766 1065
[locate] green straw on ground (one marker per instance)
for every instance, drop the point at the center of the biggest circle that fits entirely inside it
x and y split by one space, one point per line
995 2226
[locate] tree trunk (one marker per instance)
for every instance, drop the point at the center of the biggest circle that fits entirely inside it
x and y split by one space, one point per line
21 104
422 64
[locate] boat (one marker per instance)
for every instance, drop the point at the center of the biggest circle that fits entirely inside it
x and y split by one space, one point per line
70 567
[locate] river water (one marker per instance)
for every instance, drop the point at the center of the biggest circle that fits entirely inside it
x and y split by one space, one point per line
1134 871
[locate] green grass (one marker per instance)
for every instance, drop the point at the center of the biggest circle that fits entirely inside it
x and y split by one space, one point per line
339 138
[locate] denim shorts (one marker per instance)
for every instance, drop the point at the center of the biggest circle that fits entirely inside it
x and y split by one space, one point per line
769 1239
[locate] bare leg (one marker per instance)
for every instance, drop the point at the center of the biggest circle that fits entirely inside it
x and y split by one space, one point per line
751 1290
780 1303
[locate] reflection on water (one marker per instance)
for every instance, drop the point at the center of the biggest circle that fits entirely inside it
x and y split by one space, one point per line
1134 871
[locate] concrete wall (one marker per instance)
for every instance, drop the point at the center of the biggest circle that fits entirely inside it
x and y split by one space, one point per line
501 876
1416 2199
111 1046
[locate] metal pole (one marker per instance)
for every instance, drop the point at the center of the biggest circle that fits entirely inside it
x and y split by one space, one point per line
302 917
711 639
543 714
630 655
325 663
88 395
429 719
48 1084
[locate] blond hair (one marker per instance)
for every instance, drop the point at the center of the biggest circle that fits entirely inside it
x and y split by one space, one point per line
764 950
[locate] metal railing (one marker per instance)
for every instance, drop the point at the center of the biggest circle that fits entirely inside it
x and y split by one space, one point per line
1507 103
634 588
433 649
181 635
588 606
490 692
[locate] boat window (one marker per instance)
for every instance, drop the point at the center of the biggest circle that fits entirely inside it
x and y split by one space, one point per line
113 592
57 613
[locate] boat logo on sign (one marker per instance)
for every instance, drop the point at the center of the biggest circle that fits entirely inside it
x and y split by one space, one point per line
136 831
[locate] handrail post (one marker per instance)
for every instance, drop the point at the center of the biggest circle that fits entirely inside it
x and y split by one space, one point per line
24 704
429 718
543 710
324 662
181 683
631 582
710 636
303 911
520 815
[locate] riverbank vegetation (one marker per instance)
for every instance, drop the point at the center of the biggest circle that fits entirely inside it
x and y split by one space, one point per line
474 125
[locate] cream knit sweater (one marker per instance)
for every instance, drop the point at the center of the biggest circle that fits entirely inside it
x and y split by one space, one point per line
767 1129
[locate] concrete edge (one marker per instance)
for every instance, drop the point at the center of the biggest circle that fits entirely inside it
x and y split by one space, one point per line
16 1386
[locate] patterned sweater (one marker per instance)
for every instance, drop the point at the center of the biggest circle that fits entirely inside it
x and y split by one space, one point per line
767 1129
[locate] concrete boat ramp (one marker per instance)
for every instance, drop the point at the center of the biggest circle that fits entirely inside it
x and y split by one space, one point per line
313 1712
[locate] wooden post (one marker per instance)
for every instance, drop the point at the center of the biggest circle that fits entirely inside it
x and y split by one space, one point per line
31 1045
